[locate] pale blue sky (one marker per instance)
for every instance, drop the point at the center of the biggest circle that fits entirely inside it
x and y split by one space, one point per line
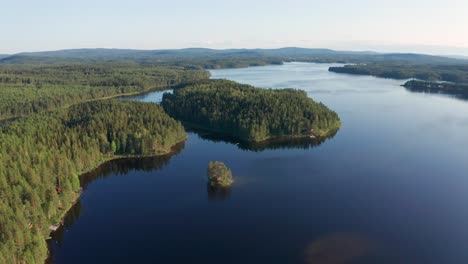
429 26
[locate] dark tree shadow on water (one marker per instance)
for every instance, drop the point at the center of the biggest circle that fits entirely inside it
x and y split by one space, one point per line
70 218
218 193
271 144
125 165
115 167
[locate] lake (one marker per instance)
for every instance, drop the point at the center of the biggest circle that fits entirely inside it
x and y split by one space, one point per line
390 187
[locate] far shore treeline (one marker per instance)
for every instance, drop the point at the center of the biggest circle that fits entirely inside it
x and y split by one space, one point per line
438 78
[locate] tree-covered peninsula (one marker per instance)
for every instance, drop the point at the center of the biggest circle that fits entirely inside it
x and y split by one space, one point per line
29 89
42 156
249 113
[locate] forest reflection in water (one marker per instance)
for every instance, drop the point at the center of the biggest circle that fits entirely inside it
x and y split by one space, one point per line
70 218
271 144
218 193
125 165
121 166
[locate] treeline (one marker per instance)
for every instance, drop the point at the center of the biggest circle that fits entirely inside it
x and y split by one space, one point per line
28 89
457 90
456 73
220 63
250 113
42 156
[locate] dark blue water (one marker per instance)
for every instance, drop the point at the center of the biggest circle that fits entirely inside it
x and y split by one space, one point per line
390 187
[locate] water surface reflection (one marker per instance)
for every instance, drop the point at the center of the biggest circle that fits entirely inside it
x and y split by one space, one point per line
125 165
272 144
218 193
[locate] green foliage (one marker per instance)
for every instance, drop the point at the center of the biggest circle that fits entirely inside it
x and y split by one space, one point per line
457 90
456 73
250 113
219 175
28 89
451 79
43 151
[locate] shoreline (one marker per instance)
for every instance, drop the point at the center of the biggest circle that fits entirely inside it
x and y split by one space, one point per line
62 216
222 133
4 121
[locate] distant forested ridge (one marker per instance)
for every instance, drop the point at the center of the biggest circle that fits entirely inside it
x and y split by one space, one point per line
28 89
200 57
212 58
387 65
42 156
250 113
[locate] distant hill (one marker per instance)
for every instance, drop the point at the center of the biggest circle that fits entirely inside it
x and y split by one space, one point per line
414 58
264 56
458 57
182 53
3 56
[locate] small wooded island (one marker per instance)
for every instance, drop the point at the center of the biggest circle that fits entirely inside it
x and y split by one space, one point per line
219 175
249 113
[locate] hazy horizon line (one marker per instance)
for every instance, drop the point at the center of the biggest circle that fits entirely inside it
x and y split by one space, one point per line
395 51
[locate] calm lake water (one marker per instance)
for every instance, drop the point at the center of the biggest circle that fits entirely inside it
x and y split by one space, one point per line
390 187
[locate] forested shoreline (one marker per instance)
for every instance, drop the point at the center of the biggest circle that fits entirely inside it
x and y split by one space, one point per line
433 78
456 73
43 155
457 90
28 89
249 113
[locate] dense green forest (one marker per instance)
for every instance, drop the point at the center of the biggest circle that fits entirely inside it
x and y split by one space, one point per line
250 113
27 89
456 73
42 156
